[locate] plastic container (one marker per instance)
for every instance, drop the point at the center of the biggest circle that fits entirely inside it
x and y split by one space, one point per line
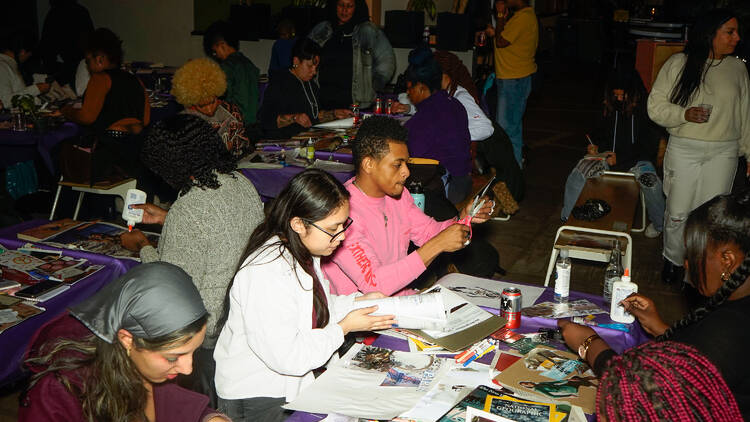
620 290
417 193
613 273
133 216
310 150
562 282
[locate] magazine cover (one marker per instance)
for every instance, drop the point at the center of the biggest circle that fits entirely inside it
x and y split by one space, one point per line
475 399
14 310
547 374
98 237
40 233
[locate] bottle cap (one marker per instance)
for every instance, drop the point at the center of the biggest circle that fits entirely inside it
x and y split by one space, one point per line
626 275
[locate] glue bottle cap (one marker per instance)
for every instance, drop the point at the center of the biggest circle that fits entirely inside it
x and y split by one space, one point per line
626 275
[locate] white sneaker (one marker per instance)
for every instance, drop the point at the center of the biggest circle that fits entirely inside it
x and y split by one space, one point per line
651 232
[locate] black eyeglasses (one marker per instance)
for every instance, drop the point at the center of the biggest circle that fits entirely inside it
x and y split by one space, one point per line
346 225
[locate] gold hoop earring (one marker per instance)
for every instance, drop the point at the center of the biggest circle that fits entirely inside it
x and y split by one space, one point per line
725 276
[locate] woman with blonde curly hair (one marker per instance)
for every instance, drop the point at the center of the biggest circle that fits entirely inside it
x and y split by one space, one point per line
197 85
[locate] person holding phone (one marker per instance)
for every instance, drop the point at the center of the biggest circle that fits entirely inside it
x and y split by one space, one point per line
109 357
281 320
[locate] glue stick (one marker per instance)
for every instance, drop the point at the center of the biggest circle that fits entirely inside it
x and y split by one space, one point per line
133 216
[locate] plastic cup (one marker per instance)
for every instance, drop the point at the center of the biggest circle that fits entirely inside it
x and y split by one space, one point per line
707 108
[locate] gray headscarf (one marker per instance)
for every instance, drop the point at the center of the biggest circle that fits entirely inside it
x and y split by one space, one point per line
150 301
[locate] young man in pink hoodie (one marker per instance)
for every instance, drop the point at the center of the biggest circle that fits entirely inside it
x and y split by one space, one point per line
374 257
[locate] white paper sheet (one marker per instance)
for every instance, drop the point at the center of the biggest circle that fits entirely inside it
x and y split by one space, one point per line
460 314
425 311
486 292
349 390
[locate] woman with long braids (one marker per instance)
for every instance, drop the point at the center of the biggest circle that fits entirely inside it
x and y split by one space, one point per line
704 143
282 322
717 239
108 358
664 381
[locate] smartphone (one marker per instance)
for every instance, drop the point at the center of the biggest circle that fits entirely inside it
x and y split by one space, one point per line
36 290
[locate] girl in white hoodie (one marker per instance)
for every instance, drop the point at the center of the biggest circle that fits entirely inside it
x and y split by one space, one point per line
281 320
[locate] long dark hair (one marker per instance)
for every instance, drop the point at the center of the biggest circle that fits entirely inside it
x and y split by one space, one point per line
724 219
311 196
625 77
112 388
697 49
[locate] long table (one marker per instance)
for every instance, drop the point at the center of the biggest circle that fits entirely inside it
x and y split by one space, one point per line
618 340
270 182
15 340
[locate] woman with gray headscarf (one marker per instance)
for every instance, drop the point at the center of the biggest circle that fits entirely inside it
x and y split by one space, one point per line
108 358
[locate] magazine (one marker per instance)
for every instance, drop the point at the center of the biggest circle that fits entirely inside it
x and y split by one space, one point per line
476 398
14 310
550 375
581 307
97 237
39 233
425 311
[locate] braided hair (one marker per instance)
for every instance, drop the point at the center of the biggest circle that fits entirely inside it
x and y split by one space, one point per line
660 381
459 74
724 219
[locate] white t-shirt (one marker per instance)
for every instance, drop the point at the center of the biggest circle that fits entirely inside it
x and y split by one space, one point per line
11 81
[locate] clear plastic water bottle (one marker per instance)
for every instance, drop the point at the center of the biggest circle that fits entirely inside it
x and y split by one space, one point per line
562 279
613 273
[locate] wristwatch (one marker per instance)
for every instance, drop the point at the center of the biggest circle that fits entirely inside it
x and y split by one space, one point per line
584 347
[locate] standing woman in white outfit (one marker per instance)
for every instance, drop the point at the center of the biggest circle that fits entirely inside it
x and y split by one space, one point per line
704 144
282 321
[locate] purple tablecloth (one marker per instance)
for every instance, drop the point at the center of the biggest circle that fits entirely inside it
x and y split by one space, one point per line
23 146
15 340
270 182
618 340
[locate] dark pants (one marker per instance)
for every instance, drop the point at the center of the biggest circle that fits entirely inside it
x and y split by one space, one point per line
256 409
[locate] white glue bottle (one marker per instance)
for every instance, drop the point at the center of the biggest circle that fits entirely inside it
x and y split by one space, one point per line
620 290
133 216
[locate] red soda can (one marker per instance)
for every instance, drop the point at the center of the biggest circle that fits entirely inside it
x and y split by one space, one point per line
389 106
510 307
355 113
378 106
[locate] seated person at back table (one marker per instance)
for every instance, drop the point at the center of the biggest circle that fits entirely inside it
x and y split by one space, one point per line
373 257
115 108
440 128
14 50
197 85
631 142
290 104
221 43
